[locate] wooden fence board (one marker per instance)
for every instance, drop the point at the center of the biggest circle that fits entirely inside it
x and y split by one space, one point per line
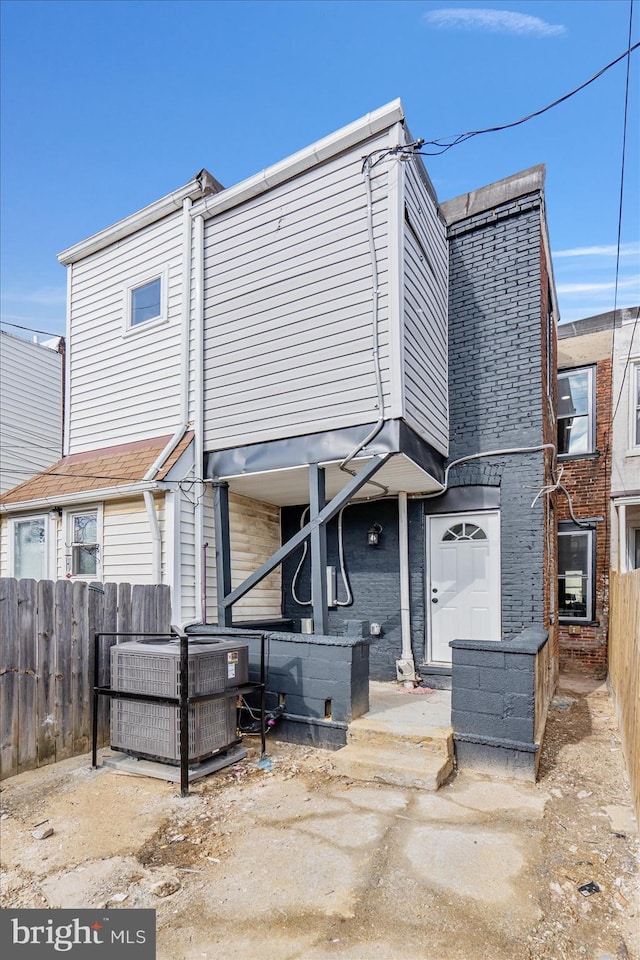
46 671
9 678
27 699
46 652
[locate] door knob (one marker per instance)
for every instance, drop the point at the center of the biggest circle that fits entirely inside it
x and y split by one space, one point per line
434 599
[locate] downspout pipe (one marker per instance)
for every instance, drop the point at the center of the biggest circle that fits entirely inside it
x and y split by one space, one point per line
181 429
198 408
405 666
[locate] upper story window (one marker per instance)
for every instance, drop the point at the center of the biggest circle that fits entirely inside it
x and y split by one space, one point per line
30 548
576 412
635 405
145 303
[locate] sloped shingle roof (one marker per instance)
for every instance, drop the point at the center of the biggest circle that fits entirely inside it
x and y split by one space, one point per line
97 470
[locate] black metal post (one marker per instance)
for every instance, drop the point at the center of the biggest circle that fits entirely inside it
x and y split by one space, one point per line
94 715
184 716
318 542
223 551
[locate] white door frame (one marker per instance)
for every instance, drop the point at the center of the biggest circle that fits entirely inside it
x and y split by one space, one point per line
453 517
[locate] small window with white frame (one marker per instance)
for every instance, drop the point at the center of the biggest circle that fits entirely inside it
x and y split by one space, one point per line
576 412
634 407
30 546
146 302
83 544
575 573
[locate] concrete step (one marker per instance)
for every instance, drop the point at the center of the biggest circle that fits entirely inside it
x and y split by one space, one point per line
400 766
381 734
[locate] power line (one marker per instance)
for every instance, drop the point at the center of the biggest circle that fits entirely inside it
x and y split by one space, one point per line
461 137
19 326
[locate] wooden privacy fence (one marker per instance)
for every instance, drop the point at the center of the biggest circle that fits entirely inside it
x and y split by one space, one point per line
624 668
47 660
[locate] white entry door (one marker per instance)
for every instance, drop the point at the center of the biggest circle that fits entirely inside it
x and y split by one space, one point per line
463 586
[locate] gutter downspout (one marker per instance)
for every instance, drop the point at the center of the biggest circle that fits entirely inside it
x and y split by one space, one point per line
405 667
161 459
198 408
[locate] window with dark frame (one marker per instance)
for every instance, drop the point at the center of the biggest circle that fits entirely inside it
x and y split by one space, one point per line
576 412
575 574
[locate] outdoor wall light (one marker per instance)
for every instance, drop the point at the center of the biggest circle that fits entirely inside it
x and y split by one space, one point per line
373 535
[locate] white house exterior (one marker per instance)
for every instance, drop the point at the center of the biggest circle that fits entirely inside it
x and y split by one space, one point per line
299 317
625 462
30 407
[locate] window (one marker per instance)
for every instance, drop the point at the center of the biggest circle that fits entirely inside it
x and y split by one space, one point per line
576 412
635 405
145 303
575 574
465 531
30 548
84 556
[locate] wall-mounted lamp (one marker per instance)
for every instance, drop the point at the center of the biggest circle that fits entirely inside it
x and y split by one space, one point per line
373 535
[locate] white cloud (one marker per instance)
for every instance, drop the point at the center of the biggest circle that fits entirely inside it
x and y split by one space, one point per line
495 21
626 250
564 288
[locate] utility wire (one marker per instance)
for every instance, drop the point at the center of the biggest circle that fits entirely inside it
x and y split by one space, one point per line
445 143
45 333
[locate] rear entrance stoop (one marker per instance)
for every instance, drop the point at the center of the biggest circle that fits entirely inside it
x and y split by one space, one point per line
403 741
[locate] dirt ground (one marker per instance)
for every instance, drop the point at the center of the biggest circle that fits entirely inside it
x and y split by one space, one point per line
294 863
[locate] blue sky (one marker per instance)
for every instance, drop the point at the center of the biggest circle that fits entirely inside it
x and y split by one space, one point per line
107 106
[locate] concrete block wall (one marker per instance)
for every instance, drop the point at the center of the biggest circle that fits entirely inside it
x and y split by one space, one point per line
493 708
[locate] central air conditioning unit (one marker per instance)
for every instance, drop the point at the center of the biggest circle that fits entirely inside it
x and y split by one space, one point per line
152 730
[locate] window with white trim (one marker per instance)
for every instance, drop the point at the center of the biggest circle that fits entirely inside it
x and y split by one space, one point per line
576 411
575 573
634 412
30 548
83 545
145 302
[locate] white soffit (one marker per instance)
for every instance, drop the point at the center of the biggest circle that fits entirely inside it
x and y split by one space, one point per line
285 488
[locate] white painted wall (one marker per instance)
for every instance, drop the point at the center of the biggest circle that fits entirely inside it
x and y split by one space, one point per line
625 465
30 409
123 385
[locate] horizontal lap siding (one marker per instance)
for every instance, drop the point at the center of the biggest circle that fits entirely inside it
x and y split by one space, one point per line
188 551
425 315
126 541
30 409
125 388
255 536
288 295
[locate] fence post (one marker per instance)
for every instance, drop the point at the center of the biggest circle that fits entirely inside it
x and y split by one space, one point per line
27 700
46 658
9 678
63 702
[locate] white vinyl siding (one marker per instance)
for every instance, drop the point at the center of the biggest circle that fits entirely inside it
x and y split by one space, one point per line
125 386
288 294
255 536
30 409
126 549
425 314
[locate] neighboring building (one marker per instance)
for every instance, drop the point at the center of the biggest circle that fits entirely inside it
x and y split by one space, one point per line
625 461
30 407
323 331
584 457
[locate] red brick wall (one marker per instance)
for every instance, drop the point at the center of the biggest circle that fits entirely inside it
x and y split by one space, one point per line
583 647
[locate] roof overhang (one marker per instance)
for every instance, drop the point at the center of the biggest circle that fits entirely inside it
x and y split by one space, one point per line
124 492
361 130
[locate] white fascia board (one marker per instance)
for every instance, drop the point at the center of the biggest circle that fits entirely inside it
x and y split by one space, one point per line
85 496
343 139
136 221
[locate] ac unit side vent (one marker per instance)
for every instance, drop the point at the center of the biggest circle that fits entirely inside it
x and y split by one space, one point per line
152 729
